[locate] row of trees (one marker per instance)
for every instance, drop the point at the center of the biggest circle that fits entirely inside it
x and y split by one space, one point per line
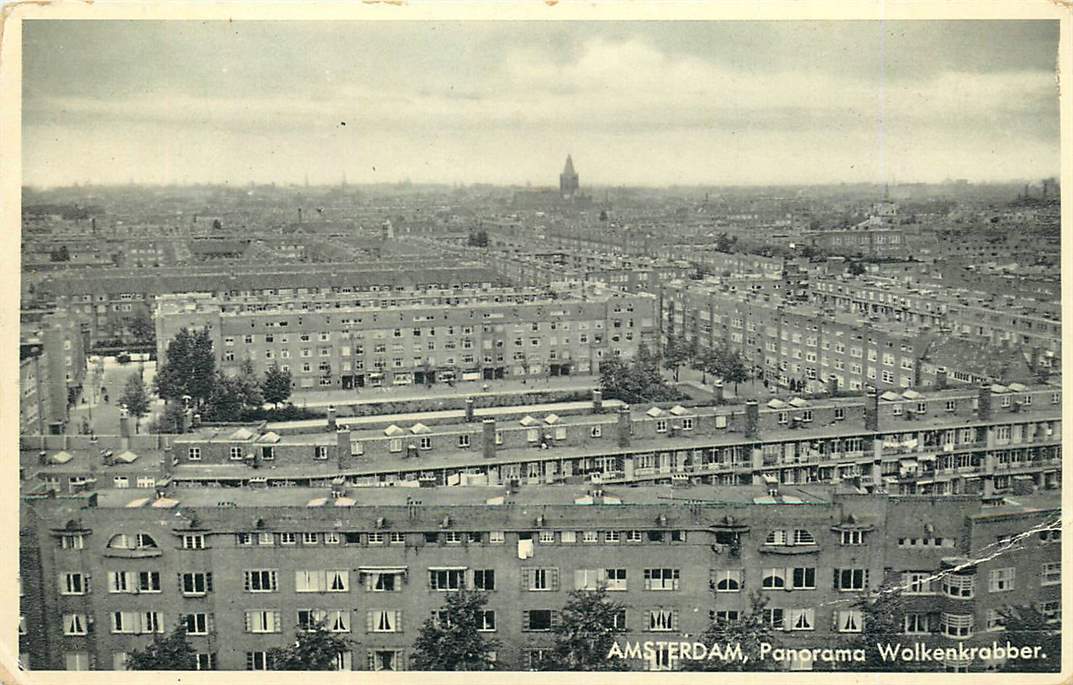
188 374
720 361
583 639
638 380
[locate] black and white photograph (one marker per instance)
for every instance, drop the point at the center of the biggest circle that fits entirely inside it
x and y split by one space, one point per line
563 343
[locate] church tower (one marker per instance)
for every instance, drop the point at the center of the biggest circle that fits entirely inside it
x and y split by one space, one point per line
568 180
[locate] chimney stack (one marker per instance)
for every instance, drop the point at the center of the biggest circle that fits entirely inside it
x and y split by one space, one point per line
832 385
124 427
718 392
331 417
195 420
469 410
983 408
166 462
597 401
871 409
342 446
625 426
752 419
488 438
940 378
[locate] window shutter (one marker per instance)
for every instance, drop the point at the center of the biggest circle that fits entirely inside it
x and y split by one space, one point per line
181 587
398 620
277 622
866 578
554 579
208 581
579 579
246 615
834 621
525 579
246 581
525 621
835 581
674 619
85 583
210 622
554 618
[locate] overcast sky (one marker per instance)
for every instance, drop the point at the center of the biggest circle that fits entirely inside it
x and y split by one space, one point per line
635 103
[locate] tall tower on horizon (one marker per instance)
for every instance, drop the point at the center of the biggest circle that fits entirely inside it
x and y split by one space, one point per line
568 180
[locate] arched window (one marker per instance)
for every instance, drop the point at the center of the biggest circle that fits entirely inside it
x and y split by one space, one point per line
137 541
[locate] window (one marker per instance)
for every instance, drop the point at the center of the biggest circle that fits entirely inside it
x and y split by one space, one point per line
243 539
994 620
260 581
265 539
725 615
661 578
918 582
774 617
568 537
446 579
590 536
332 538
634 536
383 581
595 431
662 620
804 578
1050 536
687 424
727 580
1050 573
1001 579
235 453
310 538
76 661
258 661
72 541
588 578
616 579
484 579
540 579
321 581
193 454
205 661
539 620
802 619
194 541
852 537
197 583
137 622
850 579
196 624
383 621
397 538
463 441
916 624
773 579
612 536
963 587
496 537
452 537
288 538
803 537
74 584
73 624
661 425
488 621
263 621
956 625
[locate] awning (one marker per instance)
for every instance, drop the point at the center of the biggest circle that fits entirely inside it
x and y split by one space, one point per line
445 568
551 419
654 412
679 410
382 569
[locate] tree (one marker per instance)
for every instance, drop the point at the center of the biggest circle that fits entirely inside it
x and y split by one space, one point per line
231 395
750 630
585 633
1026 626
314 649
856 268
675 353
188 368
142 328
882 613
276 385
135 398
707 362
165 653
450 639
732 367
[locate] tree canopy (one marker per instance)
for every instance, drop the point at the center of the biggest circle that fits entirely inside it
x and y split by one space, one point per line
750 629
276 385
450 639
135 397
188 368
585 633
636 381
314 649
171 652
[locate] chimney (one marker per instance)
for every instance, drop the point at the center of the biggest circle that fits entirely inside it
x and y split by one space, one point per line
752 419
411 451
488 438
342 446
597 401
107 458
167 460
832 385
124 428
871 410
195 420
625 426
718 392
331 417
42 458
940 378
187 421
469 410
983 409
1037 351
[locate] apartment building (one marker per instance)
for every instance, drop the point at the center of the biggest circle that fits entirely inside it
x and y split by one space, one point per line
993 440
244 569
108 301
784 340
52 368
396 339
